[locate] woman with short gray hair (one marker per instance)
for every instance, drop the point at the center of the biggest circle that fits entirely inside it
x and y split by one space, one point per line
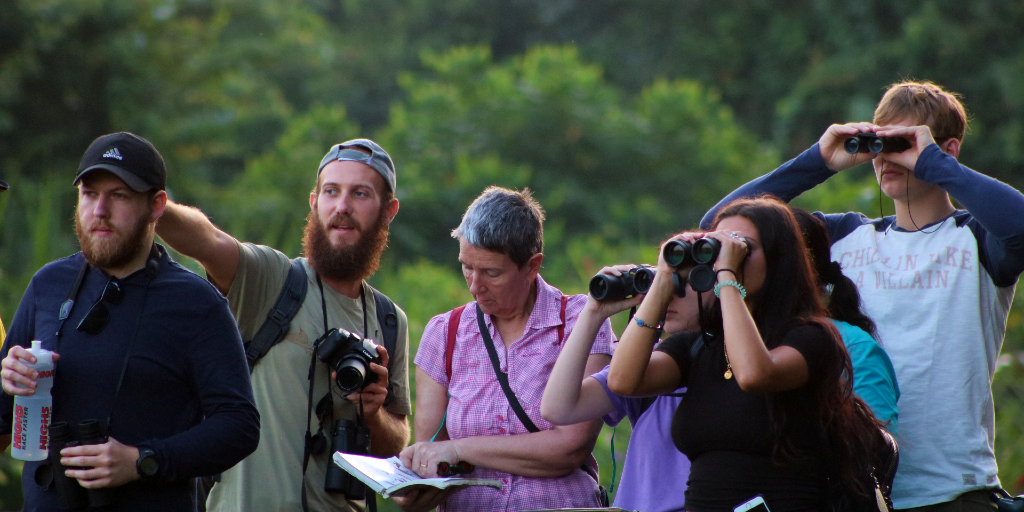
462 411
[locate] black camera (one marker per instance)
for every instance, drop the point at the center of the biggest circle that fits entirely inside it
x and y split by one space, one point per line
347 437
70 494
350 356
606 287
871 143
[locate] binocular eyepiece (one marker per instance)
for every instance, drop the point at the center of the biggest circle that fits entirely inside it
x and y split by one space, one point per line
871 143
606 287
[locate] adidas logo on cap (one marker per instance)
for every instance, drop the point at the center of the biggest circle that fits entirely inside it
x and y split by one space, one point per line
113 153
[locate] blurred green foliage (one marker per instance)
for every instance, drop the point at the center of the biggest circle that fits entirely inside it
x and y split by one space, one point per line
627 119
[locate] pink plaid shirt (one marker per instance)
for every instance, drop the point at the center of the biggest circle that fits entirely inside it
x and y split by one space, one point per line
478 406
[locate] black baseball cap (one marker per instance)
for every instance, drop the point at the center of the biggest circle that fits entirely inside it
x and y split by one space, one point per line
129 157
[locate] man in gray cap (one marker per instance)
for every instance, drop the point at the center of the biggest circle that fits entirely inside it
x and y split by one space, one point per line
305 417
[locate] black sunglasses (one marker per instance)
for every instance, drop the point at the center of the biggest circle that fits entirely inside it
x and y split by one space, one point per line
99 315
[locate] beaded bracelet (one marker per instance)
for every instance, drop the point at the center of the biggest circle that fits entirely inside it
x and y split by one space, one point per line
743 291
641 323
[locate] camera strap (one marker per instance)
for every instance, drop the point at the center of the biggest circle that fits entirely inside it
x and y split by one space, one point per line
502 377
308 439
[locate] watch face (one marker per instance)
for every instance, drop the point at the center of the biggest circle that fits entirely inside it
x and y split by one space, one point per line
148 465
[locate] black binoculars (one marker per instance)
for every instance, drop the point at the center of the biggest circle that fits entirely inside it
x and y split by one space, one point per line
70 494
347 437
606 287
680 253
452 469
871 143
701 255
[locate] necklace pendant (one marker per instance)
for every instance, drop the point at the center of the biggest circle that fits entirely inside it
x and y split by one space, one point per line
728 374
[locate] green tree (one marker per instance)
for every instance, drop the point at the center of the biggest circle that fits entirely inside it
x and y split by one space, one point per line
597 161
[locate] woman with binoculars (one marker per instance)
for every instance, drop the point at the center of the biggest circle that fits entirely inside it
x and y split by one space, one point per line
654 475
768 409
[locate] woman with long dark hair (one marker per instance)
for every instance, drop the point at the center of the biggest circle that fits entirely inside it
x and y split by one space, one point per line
874 379
768 410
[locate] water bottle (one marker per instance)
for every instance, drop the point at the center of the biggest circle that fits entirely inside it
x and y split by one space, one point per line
30 435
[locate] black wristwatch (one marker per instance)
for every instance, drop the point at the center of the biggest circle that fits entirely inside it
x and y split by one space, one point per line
146 464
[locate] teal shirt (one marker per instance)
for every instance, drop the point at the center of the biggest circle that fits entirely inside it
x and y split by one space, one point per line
874 379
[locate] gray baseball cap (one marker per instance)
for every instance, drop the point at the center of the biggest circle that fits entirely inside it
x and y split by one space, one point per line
378 159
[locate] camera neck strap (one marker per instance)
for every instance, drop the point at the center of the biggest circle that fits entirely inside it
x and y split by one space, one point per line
502 377
307 440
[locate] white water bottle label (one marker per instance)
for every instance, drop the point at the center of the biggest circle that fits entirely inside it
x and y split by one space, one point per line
31 434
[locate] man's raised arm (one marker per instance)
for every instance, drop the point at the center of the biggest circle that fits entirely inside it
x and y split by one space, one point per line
190 232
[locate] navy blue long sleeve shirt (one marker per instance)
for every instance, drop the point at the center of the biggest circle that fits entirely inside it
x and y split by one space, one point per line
186 391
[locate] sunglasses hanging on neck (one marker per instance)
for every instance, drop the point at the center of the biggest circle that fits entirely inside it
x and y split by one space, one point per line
99 315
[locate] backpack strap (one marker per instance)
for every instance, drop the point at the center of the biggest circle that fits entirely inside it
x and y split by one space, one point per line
449 349
275 327
387 319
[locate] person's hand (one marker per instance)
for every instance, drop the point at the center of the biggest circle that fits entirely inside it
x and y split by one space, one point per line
424 498
605 309
920 137
831 145
734 251
423 457
16 377
105 465
372 395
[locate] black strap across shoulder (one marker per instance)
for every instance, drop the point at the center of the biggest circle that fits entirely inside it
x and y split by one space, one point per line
279 319
293 294
387 319
502 378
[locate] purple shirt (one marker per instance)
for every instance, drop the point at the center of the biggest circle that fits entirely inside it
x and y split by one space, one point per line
477 406
655 473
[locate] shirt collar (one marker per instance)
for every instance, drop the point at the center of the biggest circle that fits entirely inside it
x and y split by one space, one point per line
547 308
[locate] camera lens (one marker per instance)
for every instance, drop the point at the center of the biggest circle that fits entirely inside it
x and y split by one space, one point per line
706 250
351 373
677 253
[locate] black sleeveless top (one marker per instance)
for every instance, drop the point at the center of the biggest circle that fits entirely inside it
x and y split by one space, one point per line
726 433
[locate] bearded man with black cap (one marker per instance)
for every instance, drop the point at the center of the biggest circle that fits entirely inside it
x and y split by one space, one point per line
142 346
352 205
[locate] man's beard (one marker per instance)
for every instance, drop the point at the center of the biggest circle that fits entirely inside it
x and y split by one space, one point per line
350 263
116 251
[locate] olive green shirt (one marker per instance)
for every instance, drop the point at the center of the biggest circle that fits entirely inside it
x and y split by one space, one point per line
270 479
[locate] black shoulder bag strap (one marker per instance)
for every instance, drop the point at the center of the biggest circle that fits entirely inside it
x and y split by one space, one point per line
502 377
387 319
279 319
